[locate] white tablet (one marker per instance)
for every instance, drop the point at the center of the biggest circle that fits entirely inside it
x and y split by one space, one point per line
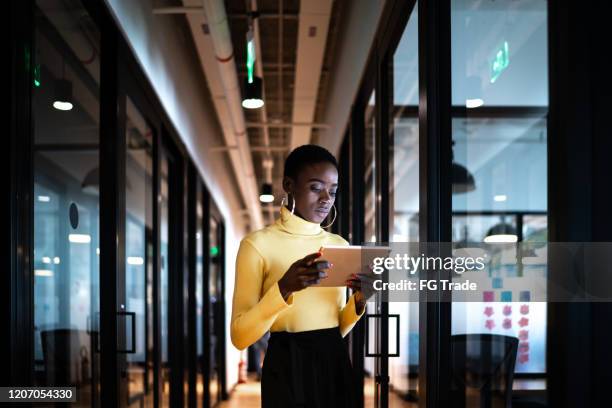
348 260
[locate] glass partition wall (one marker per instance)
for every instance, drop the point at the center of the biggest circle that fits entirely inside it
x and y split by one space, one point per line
99 147
499 136
66 129
200 297
404 203
371 390
139 254
497 76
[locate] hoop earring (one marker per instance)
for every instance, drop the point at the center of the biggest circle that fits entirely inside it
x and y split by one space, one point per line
283 203
333 219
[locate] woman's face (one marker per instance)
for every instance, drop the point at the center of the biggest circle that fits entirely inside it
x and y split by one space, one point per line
314 191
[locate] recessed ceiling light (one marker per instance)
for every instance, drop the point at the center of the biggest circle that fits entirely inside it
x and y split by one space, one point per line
473 103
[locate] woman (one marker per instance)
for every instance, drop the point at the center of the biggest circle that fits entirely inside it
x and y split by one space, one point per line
306 363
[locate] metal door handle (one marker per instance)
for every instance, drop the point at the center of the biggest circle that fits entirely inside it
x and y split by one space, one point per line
132 350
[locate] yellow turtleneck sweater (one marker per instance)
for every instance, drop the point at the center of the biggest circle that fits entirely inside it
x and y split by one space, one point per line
263 258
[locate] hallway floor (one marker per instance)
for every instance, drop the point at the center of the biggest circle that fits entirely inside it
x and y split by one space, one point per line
244 396
248 396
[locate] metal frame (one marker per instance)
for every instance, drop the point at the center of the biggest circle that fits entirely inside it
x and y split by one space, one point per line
397 335
357 174
214 213
17 291
435 192
176 260
112 214
579 200
222 338
192 201
206 328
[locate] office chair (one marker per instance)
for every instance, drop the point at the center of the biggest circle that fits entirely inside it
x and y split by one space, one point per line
482 370
62 358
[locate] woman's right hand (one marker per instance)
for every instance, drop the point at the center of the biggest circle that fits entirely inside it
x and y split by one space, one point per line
303 273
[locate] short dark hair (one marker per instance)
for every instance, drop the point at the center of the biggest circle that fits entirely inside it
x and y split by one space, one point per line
306 155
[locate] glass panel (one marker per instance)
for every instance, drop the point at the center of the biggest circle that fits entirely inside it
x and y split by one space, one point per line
214 292
404 206
65 108
138 252
370 391
164 282
200 310
500 96
370 169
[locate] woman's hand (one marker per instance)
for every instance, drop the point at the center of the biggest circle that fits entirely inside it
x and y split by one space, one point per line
303 273
363 288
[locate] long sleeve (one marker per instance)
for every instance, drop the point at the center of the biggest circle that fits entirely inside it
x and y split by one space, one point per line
253 316
349 316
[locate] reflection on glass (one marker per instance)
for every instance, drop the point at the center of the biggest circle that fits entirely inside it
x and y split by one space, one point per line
215 293
66 201
500 97
404 204
200 310
370 168
163 283
138 252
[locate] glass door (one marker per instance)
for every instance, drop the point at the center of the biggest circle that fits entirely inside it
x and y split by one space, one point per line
164 220
66 127
404 196
499 203
172 291
136 287
200 300
371 390
215 295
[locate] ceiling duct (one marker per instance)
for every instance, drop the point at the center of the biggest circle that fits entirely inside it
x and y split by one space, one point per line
221 76
312 36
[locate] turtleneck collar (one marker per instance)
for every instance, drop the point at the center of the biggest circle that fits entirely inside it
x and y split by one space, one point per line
297 225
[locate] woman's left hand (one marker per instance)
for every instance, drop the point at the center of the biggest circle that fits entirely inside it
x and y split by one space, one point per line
363 288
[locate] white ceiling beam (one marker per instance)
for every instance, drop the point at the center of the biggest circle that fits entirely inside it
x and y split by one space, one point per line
313 26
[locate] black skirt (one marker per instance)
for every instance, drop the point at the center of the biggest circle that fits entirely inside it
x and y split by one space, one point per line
307 369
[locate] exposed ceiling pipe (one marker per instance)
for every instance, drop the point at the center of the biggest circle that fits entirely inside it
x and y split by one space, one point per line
312 37
218 27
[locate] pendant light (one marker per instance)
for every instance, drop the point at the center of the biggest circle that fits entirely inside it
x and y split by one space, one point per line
266 195
462 179
474 92
62 99
253 98
253 88
501 233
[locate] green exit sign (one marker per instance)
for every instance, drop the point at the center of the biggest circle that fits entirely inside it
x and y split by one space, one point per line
250 60
500 62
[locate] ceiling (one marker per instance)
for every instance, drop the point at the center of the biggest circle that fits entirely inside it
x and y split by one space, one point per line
271 130
279 44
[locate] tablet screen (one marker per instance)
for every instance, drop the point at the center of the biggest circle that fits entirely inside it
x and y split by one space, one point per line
348 260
